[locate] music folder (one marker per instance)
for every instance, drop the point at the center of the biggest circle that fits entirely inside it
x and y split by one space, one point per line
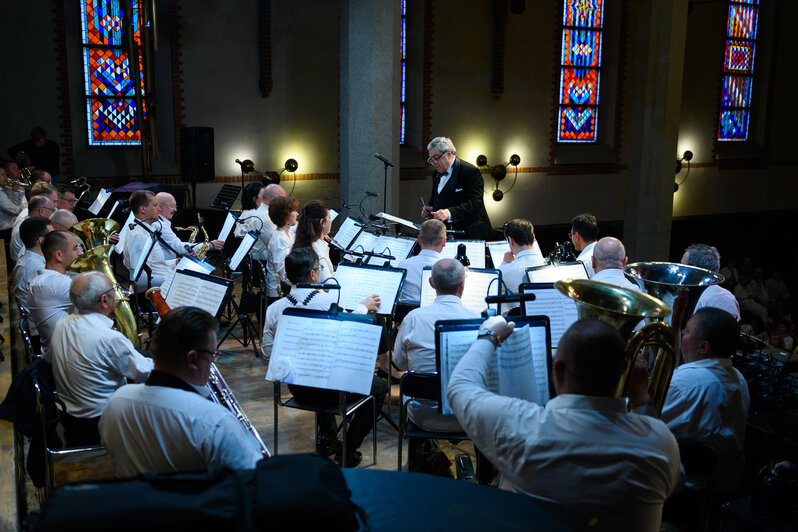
195 289
479 283
549 301
247 241
346 233
496 250
328 350
551 273
359 281
143 253
520 368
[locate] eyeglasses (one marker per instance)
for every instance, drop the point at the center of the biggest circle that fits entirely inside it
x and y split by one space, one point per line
571 234
214 354
70 201
434 158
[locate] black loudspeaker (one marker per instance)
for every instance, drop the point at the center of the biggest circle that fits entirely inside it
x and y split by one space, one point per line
196 154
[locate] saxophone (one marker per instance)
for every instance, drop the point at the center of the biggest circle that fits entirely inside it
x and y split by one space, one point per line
200 253
221 393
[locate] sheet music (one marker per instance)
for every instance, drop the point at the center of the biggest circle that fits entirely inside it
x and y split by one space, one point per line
364 241
186 263
475 251
497 251
246 244
346 233
397 220
358 283
190 291
454 345
333 214
229 222
120 246
117 203
396 247
98 203
143 254
549 274
476 288
325 353
550 302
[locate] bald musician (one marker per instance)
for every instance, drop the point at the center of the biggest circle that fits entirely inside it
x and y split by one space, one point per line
168 424
167 207
609 258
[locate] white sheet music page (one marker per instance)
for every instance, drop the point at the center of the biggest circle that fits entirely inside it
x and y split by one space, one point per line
476 288
247 242
359 283
550 274
522 365
497 251
334 214
560 309
364 242
190 291
117 203
120 246
186 263
454 345
229 222
391 245
325 353
346 233
142 255
475 251
98 203
397 220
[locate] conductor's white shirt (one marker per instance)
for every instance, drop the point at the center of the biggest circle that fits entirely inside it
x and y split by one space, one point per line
90 361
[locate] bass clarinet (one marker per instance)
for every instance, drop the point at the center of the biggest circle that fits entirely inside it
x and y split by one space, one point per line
220 392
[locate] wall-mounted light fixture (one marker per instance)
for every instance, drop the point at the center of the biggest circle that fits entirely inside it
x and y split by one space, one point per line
273 177
499 172
686 156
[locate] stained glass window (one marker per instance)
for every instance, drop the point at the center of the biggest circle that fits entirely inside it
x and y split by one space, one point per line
110 93
738 70
580 70
403 74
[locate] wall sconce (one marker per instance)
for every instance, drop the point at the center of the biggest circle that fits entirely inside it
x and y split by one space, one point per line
274 177
686 156
499 172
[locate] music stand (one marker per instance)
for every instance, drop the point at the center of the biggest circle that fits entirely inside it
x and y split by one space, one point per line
225 198
549 273
478 283
475 250
359 281
549 301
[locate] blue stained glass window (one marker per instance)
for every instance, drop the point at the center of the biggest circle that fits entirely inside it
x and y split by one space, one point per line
403 75
738 70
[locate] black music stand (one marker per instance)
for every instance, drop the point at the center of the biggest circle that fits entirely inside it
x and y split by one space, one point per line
225 198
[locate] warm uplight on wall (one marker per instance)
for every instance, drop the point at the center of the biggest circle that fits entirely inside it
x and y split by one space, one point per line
686 156
499 172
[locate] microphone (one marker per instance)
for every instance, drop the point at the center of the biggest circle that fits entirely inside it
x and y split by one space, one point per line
510 298
370 193
318 286
383 159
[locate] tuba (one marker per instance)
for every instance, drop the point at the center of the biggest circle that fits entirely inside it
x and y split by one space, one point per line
623 308
221 393
95 232
96 259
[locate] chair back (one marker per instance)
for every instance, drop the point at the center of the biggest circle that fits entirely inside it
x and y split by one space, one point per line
420 385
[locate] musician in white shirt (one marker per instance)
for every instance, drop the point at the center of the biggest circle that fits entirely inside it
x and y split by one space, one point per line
314 226
432 239
283 213
167 207
609 258
584 232
145 210
524 253
708 257
32 231
255 216
37 206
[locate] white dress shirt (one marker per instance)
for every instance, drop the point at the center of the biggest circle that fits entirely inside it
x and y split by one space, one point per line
322 250
411 289
320 301
445 177
134 246
708 401
279 247
162 429
48 302
587 455
257 220
415 350
614 276
514 273
168 235
718 297
10 207
587 258
17 247
90 361
26 269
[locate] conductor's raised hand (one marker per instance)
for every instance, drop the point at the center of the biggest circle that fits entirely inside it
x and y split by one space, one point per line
372 303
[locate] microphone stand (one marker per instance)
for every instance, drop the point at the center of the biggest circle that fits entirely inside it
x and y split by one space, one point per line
385 186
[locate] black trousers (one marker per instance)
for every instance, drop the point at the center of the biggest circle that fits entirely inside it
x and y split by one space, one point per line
79 431
361 421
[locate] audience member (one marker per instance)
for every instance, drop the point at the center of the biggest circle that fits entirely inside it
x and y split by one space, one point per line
41 152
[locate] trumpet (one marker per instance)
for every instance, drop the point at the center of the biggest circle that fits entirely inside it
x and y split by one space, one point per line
21 182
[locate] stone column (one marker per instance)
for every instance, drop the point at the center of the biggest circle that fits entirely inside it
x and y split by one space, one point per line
369 101
657 47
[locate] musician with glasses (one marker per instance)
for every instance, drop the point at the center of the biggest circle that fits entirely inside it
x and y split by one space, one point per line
48 295
38 206
167 207
145 210
457 190
168 423
91 360
584 232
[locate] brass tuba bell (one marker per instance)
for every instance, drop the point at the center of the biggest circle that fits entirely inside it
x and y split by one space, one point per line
623 308
94 231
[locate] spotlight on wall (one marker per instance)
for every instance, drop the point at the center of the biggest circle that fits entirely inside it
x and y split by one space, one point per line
686 156
274 177
499 172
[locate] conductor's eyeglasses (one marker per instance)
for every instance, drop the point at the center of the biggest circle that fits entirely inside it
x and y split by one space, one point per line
434 158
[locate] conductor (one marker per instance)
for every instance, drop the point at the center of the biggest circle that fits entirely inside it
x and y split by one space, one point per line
457 190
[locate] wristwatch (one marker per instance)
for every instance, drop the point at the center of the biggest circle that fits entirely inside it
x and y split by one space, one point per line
489 334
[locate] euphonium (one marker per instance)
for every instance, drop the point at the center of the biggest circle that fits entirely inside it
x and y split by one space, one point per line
623 308
94 231
220 392
96 259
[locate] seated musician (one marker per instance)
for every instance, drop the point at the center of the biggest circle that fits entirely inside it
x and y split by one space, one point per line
169 424
432 239
312 230
302 266
255 216
48 294
592 463
283 212
714 295
167 207
608 260
91 360
524 253
708 398
145 210
584 233
32 232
